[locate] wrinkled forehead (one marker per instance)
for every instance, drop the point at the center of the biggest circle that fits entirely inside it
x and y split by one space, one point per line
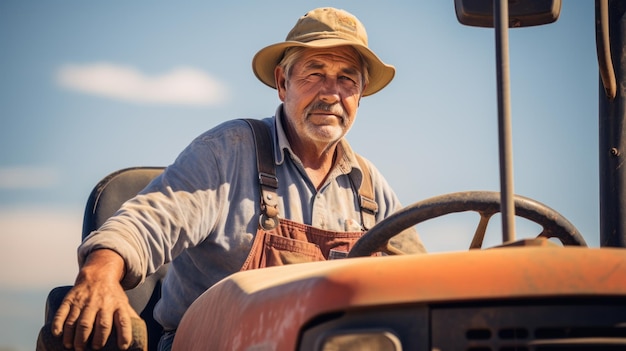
344 56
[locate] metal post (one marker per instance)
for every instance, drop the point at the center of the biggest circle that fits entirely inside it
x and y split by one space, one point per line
505 139
611 30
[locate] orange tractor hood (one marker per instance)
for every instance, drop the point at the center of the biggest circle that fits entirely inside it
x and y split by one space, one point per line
264 309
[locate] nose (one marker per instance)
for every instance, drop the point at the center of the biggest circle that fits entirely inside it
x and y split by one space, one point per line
329 91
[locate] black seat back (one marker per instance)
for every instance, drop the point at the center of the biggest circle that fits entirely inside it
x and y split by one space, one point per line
112 191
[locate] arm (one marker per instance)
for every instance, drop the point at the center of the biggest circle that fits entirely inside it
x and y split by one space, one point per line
95 304
407 241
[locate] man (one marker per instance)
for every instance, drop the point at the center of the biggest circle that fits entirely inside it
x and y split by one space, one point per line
203 213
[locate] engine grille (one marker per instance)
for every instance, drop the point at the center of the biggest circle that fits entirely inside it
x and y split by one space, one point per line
530 328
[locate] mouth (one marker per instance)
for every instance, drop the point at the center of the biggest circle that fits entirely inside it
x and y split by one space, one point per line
327 114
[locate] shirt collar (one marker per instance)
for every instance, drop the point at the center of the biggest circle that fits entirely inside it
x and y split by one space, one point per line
283 142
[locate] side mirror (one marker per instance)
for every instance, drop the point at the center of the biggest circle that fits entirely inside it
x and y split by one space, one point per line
522 13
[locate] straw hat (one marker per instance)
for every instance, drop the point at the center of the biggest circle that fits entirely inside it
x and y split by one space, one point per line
323 28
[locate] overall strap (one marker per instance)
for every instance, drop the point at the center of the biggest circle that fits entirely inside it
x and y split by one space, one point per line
267 173
369 207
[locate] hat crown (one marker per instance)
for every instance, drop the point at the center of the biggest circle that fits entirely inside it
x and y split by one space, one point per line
328 23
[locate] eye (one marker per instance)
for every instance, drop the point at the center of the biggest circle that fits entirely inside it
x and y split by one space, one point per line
316 76
348 78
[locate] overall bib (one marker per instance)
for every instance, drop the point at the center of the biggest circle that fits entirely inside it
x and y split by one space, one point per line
280 241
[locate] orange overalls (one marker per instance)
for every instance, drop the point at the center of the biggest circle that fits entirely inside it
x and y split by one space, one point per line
281 241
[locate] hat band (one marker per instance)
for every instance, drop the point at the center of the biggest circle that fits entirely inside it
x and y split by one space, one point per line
309 37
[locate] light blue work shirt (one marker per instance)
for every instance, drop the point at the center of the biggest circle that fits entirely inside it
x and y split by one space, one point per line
202 213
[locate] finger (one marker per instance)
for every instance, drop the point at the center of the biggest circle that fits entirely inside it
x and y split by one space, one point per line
84 327
103 328
124 327
60 317
69 327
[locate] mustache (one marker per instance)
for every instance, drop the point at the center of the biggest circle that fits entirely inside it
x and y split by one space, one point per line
335 109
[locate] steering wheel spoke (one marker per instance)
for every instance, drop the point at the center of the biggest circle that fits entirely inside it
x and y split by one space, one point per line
481 229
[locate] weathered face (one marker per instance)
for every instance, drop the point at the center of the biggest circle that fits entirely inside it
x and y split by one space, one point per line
321 94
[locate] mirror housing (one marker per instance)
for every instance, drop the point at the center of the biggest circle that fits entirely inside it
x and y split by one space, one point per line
522 13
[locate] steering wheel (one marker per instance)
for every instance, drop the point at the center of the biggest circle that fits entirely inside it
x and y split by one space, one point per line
486 203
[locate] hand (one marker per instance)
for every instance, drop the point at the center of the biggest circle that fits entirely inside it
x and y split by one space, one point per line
95 305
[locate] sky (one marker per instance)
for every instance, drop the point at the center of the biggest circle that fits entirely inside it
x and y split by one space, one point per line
88 88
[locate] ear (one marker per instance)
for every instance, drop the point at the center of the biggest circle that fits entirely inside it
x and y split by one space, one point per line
358 104
362 90
280 79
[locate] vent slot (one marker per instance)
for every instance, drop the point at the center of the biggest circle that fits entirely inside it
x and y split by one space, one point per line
478 334
513 333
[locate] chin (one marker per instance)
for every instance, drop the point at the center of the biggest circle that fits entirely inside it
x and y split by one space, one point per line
328 133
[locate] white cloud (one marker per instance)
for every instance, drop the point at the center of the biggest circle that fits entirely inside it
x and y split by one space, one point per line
181 86
28 177
39 247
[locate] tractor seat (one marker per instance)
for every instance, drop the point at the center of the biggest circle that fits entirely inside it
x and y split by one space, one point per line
105 199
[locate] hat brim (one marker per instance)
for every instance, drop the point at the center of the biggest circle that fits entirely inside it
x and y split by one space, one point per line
265 61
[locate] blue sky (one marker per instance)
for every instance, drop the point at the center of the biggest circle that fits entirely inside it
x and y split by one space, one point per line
91 87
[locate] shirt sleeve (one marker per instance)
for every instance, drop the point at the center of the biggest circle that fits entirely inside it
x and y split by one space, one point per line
175 211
